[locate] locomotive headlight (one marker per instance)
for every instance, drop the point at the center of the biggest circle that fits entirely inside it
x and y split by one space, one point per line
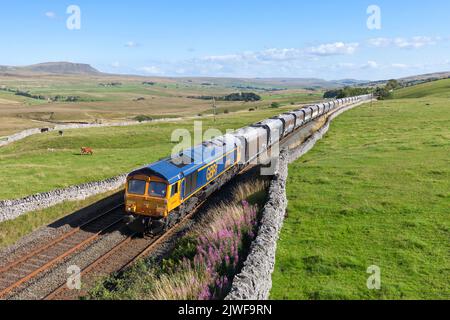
131 206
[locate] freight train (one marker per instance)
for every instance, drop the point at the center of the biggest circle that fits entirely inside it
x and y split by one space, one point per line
160 194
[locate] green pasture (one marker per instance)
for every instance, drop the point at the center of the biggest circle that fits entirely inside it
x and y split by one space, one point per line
374 191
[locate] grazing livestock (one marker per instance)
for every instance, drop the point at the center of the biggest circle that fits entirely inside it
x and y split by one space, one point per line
87 151
61 133
44 130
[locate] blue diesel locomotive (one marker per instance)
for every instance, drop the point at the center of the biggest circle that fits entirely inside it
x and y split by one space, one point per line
160 194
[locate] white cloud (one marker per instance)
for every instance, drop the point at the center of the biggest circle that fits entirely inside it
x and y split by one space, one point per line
289 62
370 65
416 42
286 54
50 14
237 66
344 65
404 43
310 61
331 49
115 64
151 70
223 58
180 71
131 44
399 65
380 42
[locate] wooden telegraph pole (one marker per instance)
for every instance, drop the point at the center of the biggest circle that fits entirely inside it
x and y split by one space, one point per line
214 108
371 99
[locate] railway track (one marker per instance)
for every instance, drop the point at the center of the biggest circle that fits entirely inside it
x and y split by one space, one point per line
119 258
29 266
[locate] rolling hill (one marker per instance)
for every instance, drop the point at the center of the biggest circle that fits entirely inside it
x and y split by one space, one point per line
69 68
413 80
436 75
437 89
52 68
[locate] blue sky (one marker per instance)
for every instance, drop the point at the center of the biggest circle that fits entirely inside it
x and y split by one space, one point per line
248 38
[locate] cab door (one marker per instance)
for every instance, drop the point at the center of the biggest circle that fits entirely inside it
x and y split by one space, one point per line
174 196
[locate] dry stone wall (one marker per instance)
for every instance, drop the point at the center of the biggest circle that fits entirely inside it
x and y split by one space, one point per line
254 282
30 132
11 209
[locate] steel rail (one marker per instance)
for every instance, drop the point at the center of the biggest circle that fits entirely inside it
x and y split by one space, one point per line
154 242
54 243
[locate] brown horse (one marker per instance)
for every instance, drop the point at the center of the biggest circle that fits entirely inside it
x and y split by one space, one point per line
86 150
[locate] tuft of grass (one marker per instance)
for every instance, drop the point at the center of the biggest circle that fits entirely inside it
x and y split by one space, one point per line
373 192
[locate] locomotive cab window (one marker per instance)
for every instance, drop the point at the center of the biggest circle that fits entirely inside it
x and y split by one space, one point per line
136 187
174 190
157 189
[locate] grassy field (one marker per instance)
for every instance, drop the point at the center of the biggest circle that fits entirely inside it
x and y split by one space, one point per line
44 162
375 191
132 97
437 89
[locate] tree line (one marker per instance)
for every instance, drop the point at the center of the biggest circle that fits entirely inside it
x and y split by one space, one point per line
382 93
27 94
243 96
345 92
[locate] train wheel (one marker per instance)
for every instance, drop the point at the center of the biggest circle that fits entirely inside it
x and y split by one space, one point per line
157 226
181 212
167 223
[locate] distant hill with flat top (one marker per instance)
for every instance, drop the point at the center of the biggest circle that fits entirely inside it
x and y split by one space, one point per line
62 68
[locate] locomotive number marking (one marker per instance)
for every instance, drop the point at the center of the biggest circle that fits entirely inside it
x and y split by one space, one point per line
211 172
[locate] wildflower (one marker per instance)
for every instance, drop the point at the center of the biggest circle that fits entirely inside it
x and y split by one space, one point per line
227 260
205 294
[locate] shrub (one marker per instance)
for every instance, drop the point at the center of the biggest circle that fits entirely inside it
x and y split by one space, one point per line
275 105
244 96
382 93
142 118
